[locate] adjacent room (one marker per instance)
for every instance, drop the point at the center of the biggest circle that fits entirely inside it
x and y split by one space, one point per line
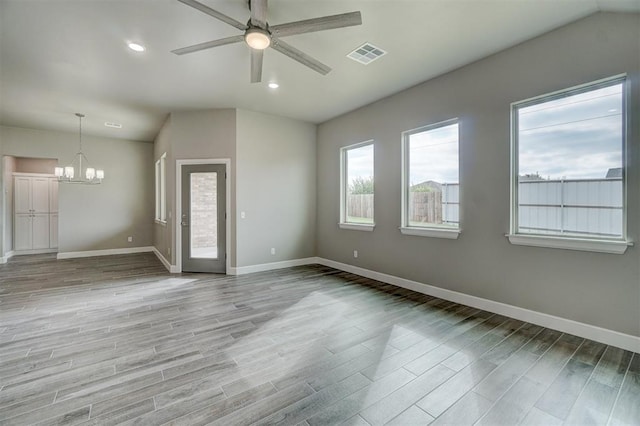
358 212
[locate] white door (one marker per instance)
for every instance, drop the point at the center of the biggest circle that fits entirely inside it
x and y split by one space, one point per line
40 195
53 230
23 232
53 195
22 195
40 230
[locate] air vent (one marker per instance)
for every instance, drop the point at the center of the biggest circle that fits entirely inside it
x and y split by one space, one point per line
114 125
366 53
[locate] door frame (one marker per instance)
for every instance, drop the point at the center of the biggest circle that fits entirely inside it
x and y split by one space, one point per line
178 215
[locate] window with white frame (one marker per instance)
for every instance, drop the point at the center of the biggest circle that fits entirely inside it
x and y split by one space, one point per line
356 204
161 192
568 163
430 180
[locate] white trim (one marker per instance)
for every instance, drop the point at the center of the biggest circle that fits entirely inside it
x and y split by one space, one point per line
34 251
610 337
598 246
514 225
106 252
451 234
343 180
273 265
178 227
6 257
357 226
171 268
47 175
405 184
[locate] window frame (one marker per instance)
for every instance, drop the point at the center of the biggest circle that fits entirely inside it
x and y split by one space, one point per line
572 242
433 230
343 224
161 190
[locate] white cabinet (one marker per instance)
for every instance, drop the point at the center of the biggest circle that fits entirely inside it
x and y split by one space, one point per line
36 212
53 196
53 230
32 194
23 227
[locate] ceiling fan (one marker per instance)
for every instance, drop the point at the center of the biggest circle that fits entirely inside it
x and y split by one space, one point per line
259 35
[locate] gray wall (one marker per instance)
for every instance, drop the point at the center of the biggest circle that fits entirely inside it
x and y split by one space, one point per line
194 135
276 188
274 152
162 233
95 217
593 288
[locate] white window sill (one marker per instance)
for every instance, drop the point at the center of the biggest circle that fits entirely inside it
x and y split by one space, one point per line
451 234
357 226
599 246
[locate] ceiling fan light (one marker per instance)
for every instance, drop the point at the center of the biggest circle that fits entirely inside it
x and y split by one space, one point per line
257 38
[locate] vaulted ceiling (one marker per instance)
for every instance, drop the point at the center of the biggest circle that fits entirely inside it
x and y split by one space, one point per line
58 57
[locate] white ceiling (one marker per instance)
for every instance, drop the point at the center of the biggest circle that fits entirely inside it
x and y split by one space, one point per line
58 57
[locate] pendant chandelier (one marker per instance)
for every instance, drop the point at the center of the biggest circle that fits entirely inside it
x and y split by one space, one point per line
79 171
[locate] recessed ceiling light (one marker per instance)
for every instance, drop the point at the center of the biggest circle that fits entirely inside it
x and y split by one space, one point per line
112 124
136 47
273 85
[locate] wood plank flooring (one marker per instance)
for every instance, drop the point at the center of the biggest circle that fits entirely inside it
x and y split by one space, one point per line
118 340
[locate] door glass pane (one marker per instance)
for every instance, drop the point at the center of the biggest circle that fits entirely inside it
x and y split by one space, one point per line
204 216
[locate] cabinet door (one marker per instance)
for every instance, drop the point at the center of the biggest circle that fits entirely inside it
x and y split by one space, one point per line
23 232
53 195
22 195
40 195
40 231
53 230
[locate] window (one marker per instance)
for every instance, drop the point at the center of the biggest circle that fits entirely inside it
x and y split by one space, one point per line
568 168
161 192
356 194
430 181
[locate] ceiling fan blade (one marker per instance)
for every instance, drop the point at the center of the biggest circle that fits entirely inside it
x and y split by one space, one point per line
256 65
317 24
221 16
208 45
297 55
259 13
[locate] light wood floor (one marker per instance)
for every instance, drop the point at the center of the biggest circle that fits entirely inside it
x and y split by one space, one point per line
116 339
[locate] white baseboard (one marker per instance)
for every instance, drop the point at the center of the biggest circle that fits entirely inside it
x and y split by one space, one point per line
171 268
35 251
272 266
106 252
6 257
599 334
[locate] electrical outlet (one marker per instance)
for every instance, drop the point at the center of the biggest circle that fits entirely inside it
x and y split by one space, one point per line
242 216
273 250
130 239
355 253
